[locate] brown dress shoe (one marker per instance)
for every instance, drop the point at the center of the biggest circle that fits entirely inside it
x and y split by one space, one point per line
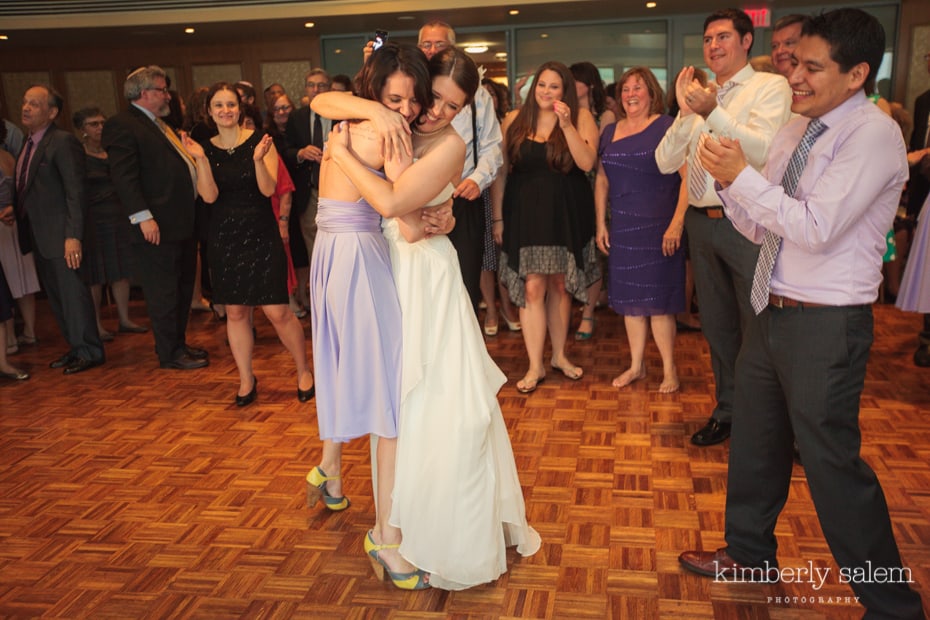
719 565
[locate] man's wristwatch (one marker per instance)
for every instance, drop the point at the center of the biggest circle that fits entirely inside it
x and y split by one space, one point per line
283 218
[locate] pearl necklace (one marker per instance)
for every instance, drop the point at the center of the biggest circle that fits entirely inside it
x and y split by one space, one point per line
424 134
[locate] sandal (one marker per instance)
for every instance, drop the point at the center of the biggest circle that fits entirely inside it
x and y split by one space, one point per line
586 335
527 388
490 329
316 490
575 373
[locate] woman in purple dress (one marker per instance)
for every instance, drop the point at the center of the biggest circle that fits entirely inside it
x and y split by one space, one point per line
646 262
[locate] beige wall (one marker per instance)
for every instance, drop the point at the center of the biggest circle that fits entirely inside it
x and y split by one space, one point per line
85 75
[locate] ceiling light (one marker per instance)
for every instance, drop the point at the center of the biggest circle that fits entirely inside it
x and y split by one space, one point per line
405 18
309 25
476 48
337 51
501 55
650 5
189 30
513 12
4 37
544 36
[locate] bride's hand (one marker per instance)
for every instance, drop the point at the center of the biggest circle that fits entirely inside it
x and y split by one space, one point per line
438 220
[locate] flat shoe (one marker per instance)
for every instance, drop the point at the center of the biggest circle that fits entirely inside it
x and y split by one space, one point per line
582 335
132 329
27 341
19 375
530 389
574 376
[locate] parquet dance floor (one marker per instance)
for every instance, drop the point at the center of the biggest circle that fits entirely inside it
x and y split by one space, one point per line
133 492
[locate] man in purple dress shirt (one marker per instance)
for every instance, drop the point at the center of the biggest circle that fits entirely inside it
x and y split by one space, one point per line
822 204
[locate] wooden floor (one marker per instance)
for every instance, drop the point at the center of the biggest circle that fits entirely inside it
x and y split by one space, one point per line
130 492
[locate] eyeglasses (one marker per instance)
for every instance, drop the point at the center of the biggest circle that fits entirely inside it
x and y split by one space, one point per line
438 45
282 108
318 85
163 90
94 123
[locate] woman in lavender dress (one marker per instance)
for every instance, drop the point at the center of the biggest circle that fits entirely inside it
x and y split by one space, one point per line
646 264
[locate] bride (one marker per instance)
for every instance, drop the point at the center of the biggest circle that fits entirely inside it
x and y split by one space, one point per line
457 496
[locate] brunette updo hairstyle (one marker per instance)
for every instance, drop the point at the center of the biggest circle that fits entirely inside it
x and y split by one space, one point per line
390 58
456 64
220 86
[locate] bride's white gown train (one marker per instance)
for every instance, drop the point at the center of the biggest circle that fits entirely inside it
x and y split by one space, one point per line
457 497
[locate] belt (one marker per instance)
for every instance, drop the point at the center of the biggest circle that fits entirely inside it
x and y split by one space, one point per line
780 301
714 213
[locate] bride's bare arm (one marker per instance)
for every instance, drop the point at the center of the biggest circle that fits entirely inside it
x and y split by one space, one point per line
412 188
389 125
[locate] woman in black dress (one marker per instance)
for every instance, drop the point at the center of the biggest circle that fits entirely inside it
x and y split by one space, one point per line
109 255
236 174
545 222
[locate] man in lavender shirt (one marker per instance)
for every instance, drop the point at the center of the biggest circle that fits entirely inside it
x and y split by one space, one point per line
802 364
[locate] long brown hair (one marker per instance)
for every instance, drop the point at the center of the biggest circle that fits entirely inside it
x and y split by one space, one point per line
524 125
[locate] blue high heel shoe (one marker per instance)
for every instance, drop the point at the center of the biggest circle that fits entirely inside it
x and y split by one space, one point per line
316 489
416 580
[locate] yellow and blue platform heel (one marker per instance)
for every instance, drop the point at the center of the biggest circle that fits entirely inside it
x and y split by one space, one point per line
416 580
316 490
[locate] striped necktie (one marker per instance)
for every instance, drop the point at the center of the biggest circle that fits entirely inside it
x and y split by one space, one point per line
762 278
697 175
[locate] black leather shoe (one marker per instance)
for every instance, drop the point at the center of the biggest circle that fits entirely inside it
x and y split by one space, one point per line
719 565
80 365
185 362
714 432
248 399
195 352
922 356
61 362
305 395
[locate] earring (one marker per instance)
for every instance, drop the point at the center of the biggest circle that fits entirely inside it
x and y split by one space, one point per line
85 136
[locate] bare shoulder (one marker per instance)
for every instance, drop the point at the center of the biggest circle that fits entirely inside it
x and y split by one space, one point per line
366 144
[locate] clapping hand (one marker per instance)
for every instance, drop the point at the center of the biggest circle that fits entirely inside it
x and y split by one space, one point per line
262 148
723 159
192 147
691 96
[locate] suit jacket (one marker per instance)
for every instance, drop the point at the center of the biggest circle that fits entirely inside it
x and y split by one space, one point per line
53 196
919 185
149 173
298 136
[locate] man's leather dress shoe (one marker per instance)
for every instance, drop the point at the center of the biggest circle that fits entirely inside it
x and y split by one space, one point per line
713 432
80 365
719 565
195 352
185 362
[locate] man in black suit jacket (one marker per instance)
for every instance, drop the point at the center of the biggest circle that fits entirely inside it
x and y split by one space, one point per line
50 211
302 157
155 181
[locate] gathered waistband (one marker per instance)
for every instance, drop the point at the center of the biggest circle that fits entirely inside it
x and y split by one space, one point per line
338 216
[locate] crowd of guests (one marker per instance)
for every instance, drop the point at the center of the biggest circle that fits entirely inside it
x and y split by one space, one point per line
775 187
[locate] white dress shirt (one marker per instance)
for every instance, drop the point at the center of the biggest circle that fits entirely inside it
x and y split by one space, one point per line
752 111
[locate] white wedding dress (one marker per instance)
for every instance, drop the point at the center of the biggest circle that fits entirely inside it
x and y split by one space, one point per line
457 497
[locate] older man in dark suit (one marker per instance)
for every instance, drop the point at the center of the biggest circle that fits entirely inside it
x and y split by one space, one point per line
50 213
155 181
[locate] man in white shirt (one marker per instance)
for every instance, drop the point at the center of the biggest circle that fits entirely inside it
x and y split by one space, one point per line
740 104
479 128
